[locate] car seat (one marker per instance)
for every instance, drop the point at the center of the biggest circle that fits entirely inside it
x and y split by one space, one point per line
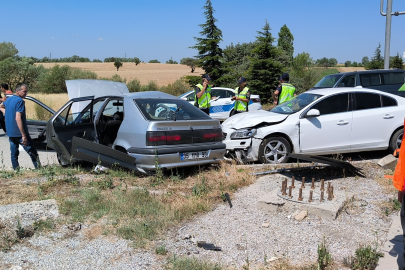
111 129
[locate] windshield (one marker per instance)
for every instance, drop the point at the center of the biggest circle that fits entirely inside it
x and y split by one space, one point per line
296 104
169 110
328 81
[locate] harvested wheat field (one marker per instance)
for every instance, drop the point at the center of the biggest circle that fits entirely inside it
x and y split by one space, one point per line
163 74
349 69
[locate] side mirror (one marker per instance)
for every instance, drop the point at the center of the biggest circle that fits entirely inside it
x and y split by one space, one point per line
312 113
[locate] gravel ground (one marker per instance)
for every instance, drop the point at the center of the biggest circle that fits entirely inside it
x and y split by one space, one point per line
237 230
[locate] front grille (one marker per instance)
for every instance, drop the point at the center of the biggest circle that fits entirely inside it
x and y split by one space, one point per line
223 136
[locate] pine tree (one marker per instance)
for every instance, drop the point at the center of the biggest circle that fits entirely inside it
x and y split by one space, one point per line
285 44
397 62
264 69
209 52
377 62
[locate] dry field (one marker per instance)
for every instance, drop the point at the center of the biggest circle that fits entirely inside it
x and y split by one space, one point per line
349 69
163 74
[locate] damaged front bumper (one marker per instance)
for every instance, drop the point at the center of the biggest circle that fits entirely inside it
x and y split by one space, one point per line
244 149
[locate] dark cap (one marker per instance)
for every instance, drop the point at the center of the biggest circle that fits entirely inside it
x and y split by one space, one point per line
206 76
241 80
285 77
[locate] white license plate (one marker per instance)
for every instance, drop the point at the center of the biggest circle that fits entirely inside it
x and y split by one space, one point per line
194 155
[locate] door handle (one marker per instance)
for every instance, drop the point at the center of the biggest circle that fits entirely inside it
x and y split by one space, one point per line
388 116
342 122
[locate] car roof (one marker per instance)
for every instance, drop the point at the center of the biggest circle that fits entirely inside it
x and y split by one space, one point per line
150 94
331 91
370 71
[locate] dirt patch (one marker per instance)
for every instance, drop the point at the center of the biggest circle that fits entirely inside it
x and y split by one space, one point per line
162 74
94 232
349 69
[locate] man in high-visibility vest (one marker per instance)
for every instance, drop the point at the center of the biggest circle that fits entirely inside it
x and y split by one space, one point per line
285 91
399 183
203 94
242 97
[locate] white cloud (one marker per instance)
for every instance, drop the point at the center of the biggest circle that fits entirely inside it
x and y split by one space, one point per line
100 39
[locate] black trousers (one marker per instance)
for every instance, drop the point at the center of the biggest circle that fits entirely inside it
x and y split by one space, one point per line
206 110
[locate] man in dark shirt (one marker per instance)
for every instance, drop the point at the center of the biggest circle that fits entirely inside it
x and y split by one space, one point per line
16 125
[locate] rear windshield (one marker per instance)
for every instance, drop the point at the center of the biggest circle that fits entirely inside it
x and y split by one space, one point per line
169 110
328 81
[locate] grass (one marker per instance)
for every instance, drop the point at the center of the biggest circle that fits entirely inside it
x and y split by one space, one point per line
366 257
191 264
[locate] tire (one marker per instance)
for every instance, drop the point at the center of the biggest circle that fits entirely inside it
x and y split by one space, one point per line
280 146
396 139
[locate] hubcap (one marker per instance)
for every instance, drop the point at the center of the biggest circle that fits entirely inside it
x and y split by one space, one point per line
399 140
275 151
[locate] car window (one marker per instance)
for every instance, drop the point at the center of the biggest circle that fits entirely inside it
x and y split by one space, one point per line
365 101
34 111
114 107
328 81
218 93
72 116
347 81
296 104
388 101
169 110
370 79
230 93
334 104
394 78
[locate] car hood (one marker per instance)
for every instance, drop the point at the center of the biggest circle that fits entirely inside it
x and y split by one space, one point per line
251 119
96 88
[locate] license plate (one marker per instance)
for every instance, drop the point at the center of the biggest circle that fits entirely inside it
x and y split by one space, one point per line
194 155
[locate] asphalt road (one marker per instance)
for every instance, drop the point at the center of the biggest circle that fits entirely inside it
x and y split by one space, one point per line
45 156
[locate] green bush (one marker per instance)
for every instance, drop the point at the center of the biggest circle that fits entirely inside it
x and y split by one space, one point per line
192 80
134 86
176 89
192 264
151 86
366 258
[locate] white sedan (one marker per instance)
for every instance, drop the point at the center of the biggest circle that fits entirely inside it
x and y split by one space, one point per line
318 122
223 106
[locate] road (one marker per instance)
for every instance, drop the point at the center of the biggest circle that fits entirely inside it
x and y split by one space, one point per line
45 156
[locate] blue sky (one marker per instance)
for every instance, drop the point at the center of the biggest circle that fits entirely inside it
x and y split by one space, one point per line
156 29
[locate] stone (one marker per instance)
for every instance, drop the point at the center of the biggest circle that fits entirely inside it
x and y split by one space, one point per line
265 225
389 162
186 236
301 215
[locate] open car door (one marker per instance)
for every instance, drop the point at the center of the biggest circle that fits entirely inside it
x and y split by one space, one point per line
100 154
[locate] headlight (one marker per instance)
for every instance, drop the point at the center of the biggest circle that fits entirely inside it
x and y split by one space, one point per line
243 134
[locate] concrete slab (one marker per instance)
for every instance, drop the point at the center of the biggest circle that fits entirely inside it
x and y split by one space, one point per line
275 201
388 162
393 248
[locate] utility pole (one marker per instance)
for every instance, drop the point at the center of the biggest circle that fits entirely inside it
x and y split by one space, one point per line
388 30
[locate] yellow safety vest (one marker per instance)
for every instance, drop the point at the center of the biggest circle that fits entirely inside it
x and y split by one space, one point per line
203 101
287 92
241 106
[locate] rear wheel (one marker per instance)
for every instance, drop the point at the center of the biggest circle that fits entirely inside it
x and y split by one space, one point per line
396 139
274 150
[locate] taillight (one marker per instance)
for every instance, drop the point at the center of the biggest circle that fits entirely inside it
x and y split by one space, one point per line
216 136
163 138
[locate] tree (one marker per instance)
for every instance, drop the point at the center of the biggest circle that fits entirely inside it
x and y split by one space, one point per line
209 52
118 64
285 44
355 64
14 71
7 49
365 61
323 62
171 62
377 62
136 60
190 62
303 75
153 61
397 62
348 63
332 62
264 70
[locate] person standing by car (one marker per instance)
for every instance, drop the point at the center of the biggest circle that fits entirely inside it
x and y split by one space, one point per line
242 97
285 91
203 94
17 129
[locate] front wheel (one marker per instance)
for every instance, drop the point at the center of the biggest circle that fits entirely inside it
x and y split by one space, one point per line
396 139
274 150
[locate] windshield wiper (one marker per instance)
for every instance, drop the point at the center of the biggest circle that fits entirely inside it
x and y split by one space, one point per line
176 111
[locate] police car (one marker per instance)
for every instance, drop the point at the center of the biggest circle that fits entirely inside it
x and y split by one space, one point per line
222 108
